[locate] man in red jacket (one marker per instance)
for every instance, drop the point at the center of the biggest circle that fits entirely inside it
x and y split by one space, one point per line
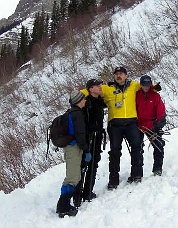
151 119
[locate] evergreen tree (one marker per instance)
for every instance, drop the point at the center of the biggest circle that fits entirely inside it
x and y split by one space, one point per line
55 20
23 46
86 4
6 50
75 7
40 28
80 6
3 50
42 25
64 9
109 4
46 25
7 63
18 55
35 32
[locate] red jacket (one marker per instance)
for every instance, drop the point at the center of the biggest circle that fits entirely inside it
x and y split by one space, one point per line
150 110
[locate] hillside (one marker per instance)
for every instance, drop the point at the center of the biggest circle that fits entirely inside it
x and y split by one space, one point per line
25 11
150 204
141 38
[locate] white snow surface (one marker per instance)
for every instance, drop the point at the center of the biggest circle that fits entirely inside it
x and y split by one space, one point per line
150 204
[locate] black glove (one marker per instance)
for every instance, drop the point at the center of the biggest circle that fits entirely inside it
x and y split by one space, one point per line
158 87
158 130
110 83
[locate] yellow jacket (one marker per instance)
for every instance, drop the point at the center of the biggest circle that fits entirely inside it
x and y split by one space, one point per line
127 99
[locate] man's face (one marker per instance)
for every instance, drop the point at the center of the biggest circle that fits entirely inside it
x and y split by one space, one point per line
95 90
120 77
145 88
81 104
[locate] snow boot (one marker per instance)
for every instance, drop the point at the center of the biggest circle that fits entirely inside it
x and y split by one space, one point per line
77 200
77 196
157 172
112 186
134 179
63 205
113 181
89 197
64 208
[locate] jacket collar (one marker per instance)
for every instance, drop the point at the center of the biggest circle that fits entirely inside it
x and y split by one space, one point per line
122 88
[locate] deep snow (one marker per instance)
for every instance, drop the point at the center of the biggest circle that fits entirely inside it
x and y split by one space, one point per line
150 204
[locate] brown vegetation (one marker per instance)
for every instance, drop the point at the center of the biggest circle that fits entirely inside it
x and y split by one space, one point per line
22 152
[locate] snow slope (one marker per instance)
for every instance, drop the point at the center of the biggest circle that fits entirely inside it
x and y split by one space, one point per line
150 204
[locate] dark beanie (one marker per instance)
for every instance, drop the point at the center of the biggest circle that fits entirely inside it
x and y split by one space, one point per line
75 97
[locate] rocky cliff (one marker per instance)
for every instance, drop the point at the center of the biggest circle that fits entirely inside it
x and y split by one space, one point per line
25 9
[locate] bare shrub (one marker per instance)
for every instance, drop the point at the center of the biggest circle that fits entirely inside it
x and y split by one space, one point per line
170 12
77 82
20 161
12 168
125 4
22 156
7 68
140 60
109 43
105 73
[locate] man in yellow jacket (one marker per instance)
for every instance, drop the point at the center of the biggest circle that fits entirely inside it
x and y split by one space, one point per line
120 98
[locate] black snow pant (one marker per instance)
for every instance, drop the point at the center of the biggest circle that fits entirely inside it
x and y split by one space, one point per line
117 132
158 153
90 176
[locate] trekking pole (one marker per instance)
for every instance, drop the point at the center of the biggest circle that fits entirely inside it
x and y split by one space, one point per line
92 164
150 132
79 189
83 174
127 144
48 140
104 139
152 136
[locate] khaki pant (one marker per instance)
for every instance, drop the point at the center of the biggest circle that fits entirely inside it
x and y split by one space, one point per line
73 157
